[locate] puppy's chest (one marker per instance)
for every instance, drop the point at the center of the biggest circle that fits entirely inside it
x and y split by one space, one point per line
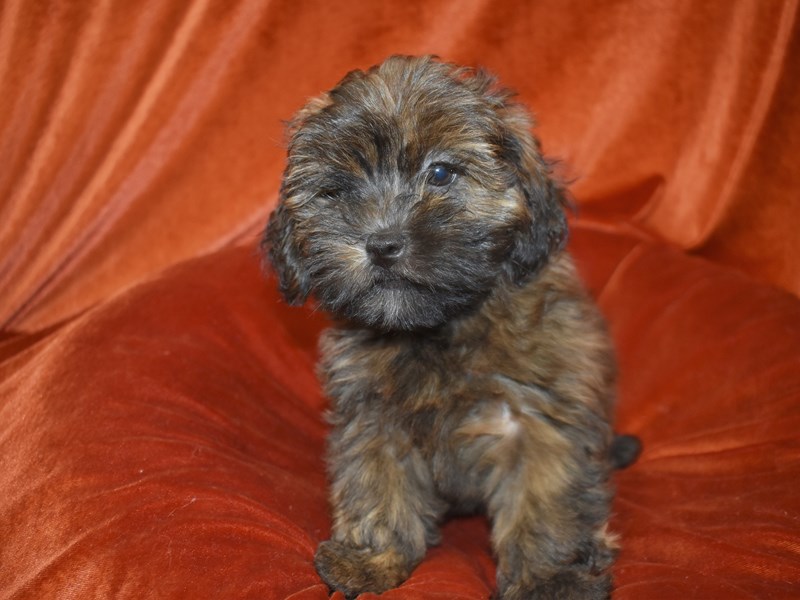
407 378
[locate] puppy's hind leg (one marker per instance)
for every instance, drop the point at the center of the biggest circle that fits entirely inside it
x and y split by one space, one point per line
385 510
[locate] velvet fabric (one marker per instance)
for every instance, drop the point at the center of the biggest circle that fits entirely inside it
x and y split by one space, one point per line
161 428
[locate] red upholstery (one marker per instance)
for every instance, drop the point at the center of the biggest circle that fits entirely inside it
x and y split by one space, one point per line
161 429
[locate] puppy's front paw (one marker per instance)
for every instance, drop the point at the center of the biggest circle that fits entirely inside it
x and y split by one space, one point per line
565 585
355 570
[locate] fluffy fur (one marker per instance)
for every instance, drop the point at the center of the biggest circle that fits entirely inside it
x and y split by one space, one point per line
468 369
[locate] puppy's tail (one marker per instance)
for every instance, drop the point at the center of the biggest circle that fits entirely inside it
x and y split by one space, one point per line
624 451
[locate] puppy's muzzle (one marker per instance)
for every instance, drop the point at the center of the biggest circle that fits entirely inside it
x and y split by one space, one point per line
385 248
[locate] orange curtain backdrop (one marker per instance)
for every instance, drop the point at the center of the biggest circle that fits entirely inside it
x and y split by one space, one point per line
136 134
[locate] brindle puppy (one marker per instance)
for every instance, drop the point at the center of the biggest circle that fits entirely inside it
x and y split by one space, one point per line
469 369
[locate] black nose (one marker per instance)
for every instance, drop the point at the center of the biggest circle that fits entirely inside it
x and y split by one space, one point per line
385 247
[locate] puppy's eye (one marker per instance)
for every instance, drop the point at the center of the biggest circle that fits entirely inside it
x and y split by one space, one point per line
441 175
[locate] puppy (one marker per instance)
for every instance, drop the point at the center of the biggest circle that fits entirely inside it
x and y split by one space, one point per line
468 369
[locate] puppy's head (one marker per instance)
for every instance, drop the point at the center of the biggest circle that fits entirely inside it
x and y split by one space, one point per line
411 190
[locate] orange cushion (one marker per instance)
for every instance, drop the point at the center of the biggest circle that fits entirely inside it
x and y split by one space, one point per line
170 442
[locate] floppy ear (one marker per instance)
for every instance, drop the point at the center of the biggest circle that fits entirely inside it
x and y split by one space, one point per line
279 245
544 231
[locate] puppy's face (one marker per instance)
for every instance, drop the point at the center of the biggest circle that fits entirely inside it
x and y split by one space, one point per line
411 190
